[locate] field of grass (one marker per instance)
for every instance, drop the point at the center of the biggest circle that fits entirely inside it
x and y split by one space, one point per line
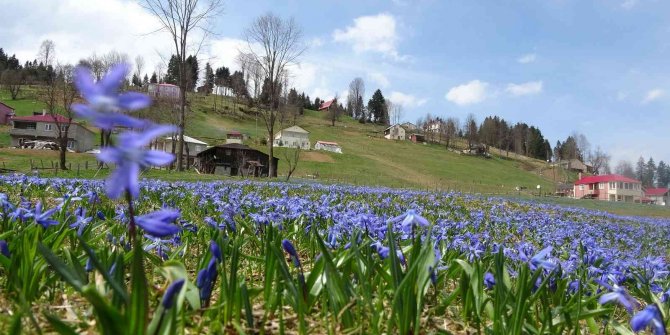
367 158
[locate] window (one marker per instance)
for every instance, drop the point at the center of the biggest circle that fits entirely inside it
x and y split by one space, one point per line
601 186
63 127
619 185
47 127
70 144
581 187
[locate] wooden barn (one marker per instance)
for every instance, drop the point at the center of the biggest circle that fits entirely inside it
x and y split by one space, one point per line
234 159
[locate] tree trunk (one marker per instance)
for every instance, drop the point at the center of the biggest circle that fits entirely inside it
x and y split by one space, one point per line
271 161
62 148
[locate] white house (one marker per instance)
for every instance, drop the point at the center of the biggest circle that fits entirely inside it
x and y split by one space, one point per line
293 137
167 91
395 132
328 146
191 144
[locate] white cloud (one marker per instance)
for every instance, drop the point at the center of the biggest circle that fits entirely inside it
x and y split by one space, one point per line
375 33
628 4
653 95
527 58
467 94
406 100
531 87
380 79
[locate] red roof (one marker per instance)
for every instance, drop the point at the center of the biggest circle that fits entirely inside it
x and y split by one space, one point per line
605 179
651 192
43 118
327 143
326 104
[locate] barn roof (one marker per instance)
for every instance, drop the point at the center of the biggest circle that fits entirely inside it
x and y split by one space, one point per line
326 104
651 192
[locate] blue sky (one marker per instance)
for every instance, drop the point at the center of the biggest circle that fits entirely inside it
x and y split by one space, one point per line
597 67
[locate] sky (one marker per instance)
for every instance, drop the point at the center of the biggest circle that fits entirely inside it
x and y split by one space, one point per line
598 67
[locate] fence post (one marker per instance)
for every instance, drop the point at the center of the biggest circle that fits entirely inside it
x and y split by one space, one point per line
85 165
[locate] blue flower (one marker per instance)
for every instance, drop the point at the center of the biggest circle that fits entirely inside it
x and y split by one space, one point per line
489 280
540 260
648 317
290 249
621 296
4 248
82 221
216 251
381 250
104 102
205 281
171 292
158 224
130 157
411 218
44 219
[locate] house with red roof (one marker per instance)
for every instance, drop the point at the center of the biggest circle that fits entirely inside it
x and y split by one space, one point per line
658 196
610 187
43 128
328 146
326 104
6 112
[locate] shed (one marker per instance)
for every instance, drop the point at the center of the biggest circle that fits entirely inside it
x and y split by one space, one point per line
235 159
6 113
328 146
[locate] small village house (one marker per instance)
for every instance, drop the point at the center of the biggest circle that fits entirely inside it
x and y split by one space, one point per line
234 160
43 128
657 196
326 105
328 146
234 137
395 132
611 187
293 137
6 113
575 165
192 146
166 91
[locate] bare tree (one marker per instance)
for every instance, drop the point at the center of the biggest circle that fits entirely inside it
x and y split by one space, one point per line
160 67
470 129
12 81
280 44
450 128
95 64
291 156
47 52
583 145
395 111
180 18
334 112
625 168
58 96
355 98
599 160
139 66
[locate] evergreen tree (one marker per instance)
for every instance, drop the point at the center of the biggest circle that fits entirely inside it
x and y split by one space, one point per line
650 173
154 78
640 170
377 107
145 80
662 174
192 80
172 74
209 78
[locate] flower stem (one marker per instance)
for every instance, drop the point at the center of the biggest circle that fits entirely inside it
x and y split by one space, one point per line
131 213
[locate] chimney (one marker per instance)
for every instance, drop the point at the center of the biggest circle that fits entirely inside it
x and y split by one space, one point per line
579 176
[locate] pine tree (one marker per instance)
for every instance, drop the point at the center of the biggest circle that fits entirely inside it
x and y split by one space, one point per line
154 78
377 107
209 79
650 173
640 170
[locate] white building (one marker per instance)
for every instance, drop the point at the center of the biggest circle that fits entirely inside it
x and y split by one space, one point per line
328 146
192 145
168 91
395 132
293 137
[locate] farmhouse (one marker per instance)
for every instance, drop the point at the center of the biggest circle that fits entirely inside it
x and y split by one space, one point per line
328 146
234 160
167 91
395 132
611 187
192 146
6 112
326 105
658 196
43 128
293 137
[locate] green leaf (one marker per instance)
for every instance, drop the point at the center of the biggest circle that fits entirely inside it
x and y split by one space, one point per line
139 296
59 326
115 285
69 275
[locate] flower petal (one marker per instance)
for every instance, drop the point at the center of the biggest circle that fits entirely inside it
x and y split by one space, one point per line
158 158
133 101
111 82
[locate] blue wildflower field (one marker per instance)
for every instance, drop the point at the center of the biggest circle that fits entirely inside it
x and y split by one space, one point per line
132 256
